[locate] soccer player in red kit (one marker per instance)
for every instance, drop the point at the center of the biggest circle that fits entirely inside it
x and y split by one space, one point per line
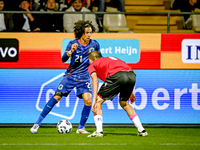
118 78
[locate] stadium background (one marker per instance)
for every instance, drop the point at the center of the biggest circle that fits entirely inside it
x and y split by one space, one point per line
167 87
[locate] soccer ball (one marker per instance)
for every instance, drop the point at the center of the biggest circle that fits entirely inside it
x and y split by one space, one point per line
64 126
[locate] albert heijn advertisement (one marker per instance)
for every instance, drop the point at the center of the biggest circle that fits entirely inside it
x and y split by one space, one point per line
167 84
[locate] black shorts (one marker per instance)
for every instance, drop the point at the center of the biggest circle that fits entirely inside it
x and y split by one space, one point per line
121 83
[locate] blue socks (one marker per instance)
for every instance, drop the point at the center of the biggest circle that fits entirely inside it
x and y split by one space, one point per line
47 108
84 116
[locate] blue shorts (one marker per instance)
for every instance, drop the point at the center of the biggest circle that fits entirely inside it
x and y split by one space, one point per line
68 83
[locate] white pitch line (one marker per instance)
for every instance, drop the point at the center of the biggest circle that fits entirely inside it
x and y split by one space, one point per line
5 144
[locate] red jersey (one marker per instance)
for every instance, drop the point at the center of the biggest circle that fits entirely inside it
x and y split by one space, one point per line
107 66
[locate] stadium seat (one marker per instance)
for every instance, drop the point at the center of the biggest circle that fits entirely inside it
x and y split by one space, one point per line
111 9
115 23
197 10
108 9
57 7
196 22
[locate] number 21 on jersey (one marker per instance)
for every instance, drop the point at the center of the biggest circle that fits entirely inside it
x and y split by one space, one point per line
78 58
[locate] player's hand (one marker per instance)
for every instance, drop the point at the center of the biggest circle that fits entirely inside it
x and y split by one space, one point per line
74 47
132 98
94 108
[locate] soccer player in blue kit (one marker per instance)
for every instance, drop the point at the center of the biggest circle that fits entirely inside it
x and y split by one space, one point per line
76 75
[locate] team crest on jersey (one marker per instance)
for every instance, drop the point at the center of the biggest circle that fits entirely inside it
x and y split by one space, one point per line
91 49
60 86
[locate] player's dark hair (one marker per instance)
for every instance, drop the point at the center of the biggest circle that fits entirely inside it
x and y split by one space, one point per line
79 28
94 55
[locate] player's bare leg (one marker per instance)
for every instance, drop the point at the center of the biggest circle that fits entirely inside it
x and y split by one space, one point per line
98 119
100 101
134 117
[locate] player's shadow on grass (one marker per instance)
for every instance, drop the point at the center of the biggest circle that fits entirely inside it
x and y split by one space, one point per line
114 132
131 134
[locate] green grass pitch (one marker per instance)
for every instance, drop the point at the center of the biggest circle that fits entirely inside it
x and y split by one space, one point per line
115 138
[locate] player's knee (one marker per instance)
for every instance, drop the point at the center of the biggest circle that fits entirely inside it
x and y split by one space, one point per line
88 102
100 100
123 103
87 97
58 96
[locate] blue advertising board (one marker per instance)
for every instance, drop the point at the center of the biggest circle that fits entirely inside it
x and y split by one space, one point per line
163 97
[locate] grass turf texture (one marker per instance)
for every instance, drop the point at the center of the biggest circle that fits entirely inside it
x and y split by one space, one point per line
114 138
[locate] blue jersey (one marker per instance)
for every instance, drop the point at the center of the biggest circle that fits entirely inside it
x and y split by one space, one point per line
79 63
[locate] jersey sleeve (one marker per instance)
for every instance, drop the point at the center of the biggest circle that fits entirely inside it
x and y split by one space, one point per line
91 69
98 49
68 48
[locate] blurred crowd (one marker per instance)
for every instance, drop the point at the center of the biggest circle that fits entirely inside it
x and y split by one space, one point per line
40 22
186 6
34 22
